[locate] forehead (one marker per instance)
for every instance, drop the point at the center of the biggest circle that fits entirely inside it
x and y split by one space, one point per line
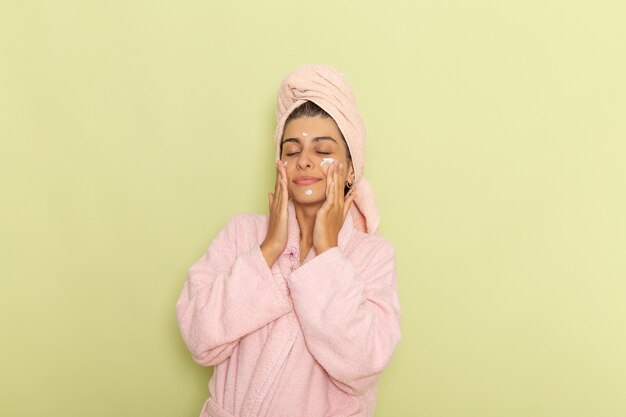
312 126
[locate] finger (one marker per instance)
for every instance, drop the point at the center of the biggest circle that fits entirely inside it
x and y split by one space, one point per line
277 176
280 174
281 169
335 176
284 193
328 179
339 186
330 197
328 167
270 197
285 178
282 190
328 193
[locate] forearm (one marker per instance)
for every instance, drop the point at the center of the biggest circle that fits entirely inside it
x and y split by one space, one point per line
350 321
224 299
270 253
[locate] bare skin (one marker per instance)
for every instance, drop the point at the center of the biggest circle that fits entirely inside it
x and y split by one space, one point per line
322 211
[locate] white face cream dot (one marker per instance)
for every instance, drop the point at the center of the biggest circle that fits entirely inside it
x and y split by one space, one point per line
285 164
327 161
308 192
305 134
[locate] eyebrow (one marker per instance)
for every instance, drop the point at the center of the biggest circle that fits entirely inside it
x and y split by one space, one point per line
316 139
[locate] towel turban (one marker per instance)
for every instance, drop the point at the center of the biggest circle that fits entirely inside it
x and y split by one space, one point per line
328 88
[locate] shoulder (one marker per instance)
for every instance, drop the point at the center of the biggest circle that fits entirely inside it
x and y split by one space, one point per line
247 220
246 227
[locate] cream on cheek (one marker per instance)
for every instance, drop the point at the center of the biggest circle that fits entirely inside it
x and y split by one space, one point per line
327 161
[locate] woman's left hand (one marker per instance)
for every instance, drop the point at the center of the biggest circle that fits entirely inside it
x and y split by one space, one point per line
331 215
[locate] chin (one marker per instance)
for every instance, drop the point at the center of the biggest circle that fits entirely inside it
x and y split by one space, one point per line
302 199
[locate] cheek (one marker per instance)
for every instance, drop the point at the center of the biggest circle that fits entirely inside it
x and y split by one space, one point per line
324 164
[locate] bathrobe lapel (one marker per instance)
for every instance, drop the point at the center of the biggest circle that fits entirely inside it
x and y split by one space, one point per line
284 331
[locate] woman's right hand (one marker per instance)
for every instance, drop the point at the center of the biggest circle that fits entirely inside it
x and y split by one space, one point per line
276 238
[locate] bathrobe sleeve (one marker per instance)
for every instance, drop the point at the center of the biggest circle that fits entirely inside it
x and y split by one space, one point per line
229 293
350 318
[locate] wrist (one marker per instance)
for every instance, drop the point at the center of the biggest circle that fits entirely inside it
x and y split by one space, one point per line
324 247
271 248
270 253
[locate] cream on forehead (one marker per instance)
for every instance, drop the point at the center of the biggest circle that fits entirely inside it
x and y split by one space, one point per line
305 134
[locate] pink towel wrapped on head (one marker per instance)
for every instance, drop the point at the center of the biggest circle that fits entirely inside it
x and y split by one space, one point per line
328 88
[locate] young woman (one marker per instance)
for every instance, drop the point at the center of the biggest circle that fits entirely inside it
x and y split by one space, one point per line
298 311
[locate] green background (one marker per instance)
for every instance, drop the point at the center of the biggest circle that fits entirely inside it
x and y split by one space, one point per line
132 130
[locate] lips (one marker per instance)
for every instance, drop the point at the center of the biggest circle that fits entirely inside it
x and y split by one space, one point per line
306 180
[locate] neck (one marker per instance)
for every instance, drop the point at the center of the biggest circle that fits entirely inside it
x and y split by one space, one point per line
305 214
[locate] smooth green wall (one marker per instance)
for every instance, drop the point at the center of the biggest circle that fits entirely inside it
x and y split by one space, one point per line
132 130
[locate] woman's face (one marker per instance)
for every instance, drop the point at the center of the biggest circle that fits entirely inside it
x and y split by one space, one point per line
309 145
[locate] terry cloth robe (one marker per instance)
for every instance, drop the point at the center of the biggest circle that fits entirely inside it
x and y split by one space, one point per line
295 340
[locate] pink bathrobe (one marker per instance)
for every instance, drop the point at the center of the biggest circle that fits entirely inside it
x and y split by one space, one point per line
295 340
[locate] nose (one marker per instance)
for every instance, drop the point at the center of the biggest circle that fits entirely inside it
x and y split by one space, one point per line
304 161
